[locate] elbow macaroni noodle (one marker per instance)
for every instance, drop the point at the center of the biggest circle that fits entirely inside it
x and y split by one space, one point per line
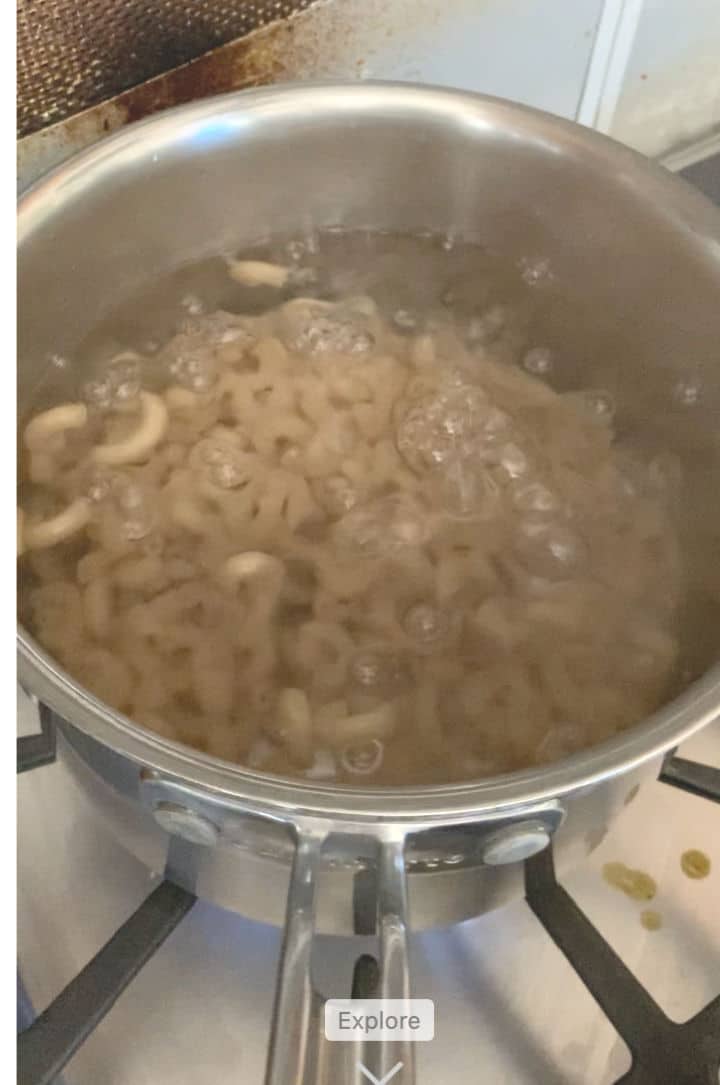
348 549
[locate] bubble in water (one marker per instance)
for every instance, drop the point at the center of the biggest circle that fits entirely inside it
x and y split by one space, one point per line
101 486
363 758
135 509
550 550
686 392
223 462
442 427
538 361
336 494
296 250
300 248
316 328
466 490
226 475
376 670
534 497
224 328
600 404
427 625
201 336
367 669
405 320
192 304
384 527
513 460
535 271
125 377
193 368
117 385
337 336
98 393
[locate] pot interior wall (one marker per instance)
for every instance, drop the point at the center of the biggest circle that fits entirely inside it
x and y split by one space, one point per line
628 262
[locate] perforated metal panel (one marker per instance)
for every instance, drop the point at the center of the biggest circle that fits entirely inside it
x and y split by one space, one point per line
73 54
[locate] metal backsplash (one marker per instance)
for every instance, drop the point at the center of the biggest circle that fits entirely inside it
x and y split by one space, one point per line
88 67
73 54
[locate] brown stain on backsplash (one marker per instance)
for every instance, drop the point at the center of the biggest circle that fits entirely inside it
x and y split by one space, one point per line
249 62
252 61
326 39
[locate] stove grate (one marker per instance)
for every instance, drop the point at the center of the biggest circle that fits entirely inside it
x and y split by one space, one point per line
53 1038
38 749
662 1050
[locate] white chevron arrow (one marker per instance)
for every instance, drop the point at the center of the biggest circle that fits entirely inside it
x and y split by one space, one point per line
379 1080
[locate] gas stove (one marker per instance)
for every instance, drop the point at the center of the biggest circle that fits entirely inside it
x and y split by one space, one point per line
509 1005
137 983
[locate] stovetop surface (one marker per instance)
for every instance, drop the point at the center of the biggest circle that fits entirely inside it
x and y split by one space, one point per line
509 1008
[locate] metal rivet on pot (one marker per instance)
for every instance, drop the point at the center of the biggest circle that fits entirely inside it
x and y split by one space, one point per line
181 821
515 843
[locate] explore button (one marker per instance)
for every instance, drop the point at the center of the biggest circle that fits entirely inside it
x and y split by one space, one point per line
380 1019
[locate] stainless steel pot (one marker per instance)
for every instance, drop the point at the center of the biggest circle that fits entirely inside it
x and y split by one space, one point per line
634 258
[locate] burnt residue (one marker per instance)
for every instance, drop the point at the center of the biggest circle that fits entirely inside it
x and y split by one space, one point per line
248 62
317 39
251 61
73 56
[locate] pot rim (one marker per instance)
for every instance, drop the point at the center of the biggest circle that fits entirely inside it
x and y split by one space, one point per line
282 797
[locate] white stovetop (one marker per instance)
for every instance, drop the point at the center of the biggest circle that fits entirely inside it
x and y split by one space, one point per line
509 1009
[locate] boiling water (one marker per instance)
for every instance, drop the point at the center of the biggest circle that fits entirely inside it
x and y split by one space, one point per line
345 509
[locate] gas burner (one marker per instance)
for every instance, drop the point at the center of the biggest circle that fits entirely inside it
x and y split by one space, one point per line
662 1050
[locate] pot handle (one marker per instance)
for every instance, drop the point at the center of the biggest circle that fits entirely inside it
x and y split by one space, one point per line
299 1051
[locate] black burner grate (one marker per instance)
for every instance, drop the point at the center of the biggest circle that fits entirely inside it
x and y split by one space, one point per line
662 1051
54 1037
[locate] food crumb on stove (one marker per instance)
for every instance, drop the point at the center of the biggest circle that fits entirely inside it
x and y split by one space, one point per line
695 864
634 883
651 920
